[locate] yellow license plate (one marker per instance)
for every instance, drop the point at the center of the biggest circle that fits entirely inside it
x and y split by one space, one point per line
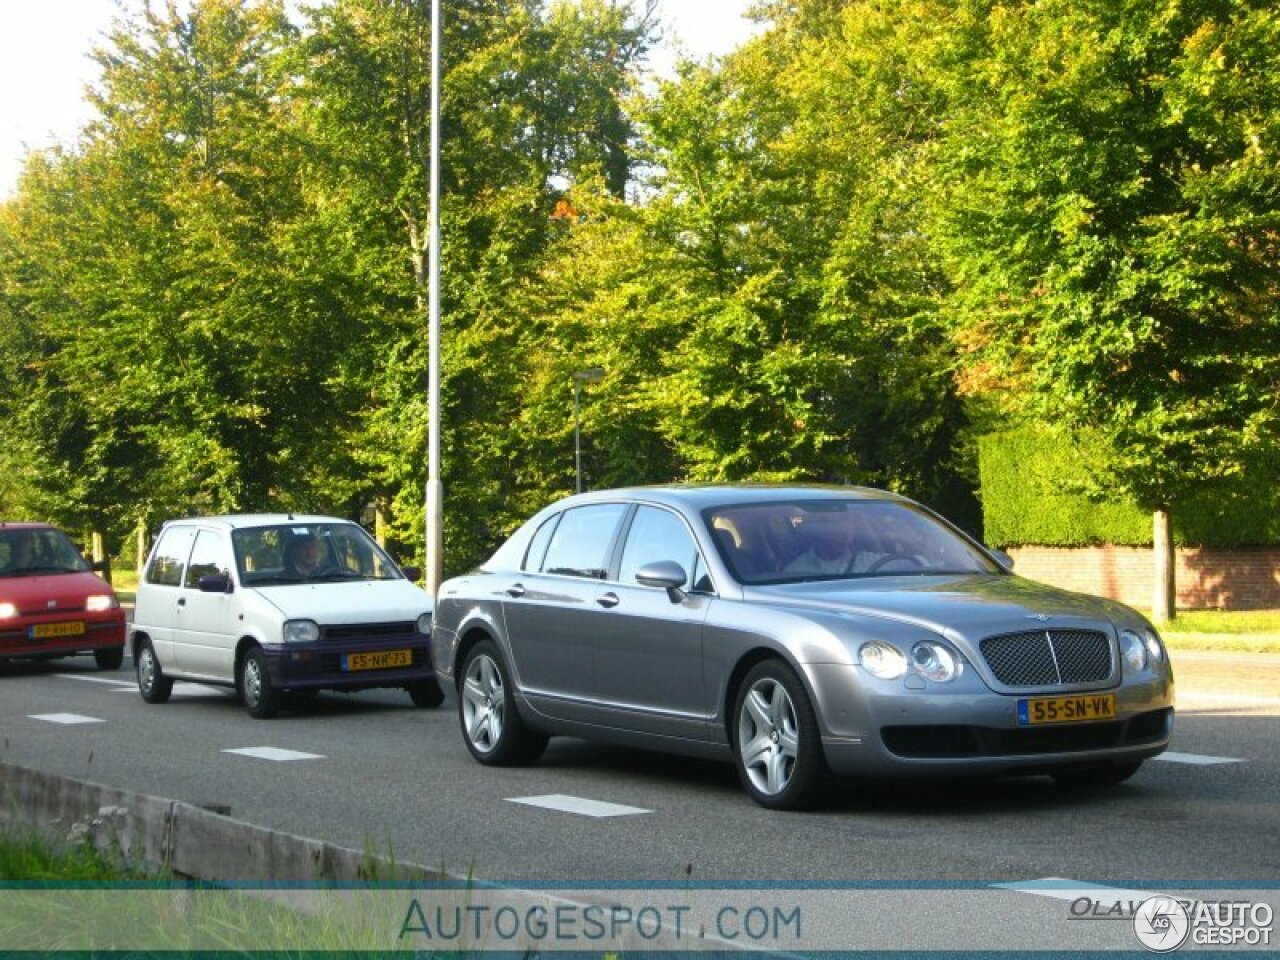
1082 707
43 631
383 660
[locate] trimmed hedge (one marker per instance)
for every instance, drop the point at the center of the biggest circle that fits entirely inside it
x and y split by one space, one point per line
1026 481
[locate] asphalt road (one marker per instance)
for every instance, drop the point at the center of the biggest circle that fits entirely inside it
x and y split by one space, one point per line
392 778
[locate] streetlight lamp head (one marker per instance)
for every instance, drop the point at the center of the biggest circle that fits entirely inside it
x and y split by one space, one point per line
589 375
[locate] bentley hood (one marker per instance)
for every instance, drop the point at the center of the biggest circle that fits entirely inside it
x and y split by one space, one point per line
963 608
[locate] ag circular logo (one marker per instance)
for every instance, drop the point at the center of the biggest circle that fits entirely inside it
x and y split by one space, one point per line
1161 924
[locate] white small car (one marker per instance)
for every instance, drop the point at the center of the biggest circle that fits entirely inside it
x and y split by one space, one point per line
278 604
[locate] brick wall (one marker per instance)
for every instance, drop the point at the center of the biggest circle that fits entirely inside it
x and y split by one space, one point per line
1207 577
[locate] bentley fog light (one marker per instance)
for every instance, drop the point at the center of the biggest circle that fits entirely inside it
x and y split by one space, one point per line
935 662
1133 650
301 631
1155 650
881 660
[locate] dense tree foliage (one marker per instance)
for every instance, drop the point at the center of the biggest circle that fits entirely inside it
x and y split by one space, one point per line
836 255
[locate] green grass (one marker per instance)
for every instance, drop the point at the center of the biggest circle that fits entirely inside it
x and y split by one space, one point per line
1227 621
27 857
125 581
1232 631
83 910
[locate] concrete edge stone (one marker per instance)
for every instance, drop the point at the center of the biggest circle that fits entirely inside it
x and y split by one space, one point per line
152 832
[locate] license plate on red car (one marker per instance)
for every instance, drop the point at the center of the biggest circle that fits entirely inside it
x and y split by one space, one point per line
382 660
44 631
1084 707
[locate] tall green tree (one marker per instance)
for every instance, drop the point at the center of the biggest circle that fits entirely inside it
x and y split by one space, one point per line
531 102
769 308
1109 220
161 262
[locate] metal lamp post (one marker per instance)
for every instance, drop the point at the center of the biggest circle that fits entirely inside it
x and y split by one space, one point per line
590 375
435 487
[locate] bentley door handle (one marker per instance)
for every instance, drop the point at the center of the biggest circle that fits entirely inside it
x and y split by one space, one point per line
607 600
515 590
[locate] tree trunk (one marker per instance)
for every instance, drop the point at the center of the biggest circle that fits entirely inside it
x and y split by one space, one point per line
1164 601
98 548
141 544
380 522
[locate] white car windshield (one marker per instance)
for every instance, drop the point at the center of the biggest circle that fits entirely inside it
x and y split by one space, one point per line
296 553
800 540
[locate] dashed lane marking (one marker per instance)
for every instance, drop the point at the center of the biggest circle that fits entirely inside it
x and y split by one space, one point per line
64 718
1060 888
89 679
578 805
1195 759
277 754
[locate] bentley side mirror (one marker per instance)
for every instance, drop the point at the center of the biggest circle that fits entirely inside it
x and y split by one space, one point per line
667 574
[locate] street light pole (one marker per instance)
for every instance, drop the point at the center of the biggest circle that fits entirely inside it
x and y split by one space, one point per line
577 437
590 375
435 487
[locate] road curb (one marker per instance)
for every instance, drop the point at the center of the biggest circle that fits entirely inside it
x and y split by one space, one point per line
154 832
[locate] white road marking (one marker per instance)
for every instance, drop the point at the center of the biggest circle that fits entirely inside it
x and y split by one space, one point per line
1059 888
275 753
86 677
579 805
64 718
1196 759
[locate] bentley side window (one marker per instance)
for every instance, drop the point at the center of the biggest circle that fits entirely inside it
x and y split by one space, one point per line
538 545
580 545
657 535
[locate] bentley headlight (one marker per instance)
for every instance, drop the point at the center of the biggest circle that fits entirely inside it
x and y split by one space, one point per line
935 662
301 631
100 602
1155 649
881 660
7 610
424 624
1133 650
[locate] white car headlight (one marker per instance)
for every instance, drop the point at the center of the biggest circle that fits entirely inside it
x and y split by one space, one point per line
881 660
100 602
1155 649
7 610
301 631
935 662
1133 650
424 623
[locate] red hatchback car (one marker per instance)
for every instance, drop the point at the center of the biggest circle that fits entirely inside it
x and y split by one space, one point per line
52 604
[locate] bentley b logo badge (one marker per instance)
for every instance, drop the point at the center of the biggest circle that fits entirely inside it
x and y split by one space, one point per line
1042 617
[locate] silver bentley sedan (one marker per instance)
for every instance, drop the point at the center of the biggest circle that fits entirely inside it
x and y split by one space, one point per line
798 632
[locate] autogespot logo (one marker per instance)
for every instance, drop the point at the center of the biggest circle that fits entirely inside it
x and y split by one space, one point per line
1161 924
